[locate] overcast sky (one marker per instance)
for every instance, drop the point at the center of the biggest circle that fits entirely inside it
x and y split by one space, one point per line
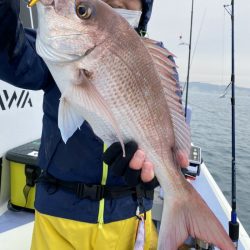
212 58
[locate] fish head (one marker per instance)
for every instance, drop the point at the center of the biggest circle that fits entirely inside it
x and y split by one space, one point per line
75 27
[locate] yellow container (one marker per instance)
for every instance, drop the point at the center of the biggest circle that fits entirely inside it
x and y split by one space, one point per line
23 173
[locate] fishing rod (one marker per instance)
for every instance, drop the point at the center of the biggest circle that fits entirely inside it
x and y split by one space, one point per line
233 224
31 18
189 57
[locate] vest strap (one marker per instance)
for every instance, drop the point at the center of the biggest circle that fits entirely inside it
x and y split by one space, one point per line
97 192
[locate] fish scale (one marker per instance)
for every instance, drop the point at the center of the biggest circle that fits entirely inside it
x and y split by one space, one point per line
128 92
124 87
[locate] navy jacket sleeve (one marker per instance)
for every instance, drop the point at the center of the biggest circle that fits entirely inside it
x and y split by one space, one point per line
20 65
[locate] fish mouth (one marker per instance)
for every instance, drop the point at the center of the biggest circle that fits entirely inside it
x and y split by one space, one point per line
59 43
57 51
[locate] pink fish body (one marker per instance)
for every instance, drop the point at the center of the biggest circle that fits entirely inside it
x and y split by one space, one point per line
124 87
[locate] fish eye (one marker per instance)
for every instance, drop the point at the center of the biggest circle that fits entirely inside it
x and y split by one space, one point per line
83 11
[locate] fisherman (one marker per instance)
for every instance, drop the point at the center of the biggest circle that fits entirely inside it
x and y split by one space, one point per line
80 203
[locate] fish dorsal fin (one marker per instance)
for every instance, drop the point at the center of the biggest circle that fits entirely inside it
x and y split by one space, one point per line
166 71
157 46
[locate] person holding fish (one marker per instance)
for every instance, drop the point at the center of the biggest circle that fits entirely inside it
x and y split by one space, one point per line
86 199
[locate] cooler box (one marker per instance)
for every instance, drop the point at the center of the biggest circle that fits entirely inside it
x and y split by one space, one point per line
23 173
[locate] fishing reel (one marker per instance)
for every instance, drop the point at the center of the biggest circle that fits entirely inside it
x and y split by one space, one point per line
195 160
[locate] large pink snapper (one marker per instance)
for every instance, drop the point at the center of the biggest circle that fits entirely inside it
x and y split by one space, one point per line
124 88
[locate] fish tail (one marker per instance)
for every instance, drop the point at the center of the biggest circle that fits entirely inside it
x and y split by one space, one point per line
190 216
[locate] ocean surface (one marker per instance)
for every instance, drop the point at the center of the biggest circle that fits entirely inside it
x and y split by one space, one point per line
211 130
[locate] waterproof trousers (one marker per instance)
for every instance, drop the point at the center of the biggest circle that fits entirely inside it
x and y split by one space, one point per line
53 233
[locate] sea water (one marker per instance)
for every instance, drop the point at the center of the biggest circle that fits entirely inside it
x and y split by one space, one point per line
211 130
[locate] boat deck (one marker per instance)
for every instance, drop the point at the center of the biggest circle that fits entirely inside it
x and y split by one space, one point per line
16 227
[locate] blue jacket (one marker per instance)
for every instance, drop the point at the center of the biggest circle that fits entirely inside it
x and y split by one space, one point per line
80 160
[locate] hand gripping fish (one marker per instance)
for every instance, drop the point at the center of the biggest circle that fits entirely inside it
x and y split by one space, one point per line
123 86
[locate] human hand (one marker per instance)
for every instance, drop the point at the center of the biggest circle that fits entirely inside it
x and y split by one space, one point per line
140 162
134 168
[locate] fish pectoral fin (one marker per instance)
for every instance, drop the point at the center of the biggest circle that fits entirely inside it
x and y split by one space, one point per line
68 119
84 95
190 216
